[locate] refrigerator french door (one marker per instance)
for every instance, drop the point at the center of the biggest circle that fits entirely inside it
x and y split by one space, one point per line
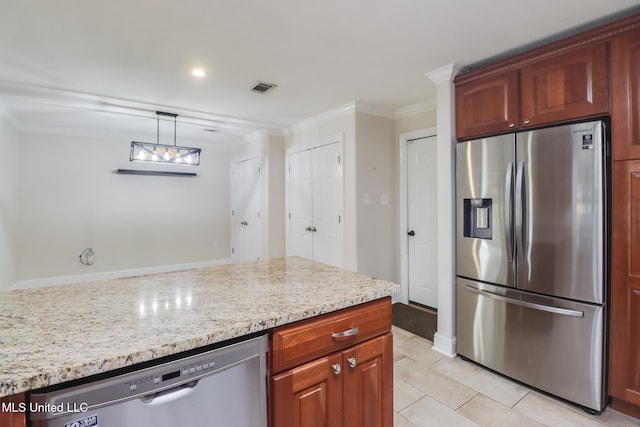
531 258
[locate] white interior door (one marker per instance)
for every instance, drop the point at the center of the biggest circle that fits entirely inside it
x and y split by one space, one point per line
252 222
238 238
422 221
300 205
245 210
327 204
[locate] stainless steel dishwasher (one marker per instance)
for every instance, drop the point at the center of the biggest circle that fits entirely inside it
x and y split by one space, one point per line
223 387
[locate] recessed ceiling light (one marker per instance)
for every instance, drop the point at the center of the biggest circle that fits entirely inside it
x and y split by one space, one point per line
198 72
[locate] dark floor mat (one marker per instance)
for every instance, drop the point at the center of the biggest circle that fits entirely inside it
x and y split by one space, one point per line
414 320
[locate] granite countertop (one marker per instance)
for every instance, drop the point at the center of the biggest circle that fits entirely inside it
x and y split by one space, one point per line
60 333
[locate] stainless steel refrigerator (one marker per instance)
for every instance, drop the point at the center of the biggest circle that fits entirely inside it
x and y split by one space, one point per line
532 258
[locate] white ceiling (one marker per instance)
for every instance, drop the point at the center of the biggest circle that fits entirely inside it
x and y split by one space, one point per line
81 65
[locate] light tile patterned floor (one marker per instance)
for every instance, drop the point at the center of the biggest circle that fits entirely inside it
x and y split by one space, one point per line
431 389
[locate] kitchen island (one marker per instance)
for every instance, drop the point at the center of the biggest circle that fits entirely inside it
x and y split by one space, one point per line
56 334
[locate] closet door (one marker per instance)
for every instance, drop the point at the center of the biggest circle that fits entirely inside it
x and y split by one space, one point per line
315 204
252 222
327 204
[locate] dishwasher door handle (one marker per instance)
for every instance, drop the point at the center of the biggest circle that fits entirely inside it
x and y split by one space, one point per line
169 395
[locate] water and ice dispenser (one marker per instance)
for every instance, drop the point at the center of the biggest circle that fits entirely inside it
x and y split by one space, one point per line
477 217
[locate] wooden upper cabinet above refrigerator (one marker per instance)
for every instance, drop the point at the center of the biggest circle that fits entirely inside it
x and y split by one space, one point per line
489 105
625 88
554 87
567 86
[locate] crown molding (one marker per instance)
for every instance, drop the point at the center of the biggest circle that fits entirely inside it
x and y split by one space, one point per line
318 119
373 110
341 111
444 74
414 109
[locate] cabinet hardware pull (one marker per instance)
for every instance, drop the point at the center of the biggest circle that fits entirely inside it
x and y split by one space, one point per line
352 362
314 229
308 228
347 333
527 121
636 291
336 369
512 125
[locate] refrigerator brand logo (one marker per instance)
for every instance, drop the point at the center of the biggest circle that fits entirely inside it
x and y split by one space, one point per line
587 141
87 422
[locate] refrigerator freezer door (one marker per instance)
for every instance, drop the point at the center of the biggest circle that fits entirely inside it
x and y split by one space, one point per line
485 249
552 344
559 211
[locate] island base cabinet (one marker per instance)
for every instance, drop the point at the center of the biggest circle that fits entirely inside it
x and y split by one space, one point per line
12 413
351 388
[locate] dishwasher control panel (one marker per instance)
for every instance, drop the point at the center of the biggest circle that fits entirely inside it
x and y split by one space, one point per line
172 376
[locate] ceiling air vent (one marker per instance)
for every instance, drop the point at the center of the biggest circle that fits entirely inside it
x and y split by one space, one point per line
264 87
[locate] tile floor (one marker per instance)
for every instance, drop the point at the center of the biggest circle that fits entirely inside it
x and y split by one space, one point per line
431 389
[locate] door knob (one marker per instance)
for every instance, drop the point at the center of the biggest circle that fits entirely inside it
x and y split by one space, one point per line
337 369
352 362
411 233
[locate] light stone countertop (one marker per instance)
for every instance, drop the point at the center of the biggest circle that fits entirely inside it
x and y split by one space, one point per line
60 333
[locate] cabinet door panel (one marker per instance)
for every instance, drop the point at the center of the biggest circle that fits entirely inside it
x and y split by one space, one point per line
309 396
625 111
368 389
487 105
568 86
624 366
632 390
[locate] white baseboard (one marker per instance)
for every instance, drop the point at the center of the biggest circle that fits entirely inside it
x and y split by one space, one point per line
79 278
444 344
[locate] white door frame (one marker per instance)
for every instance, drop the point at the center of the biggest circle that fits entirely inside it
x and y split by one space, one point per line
403 296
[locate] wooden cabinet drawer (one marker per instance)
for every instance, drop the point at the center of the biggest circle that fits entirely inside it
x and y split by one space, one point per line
298 343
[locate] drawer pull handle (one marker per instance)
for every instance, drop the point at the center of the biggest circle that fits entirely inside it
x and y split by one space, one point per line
348 333
352 362
336 369
636 291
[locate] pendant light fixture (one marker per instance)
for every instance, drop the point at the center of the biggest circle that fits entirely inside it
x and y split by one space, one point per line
161 153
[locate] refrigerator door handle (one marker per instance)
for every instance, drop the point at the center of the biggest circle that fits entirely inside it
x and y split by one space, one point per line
519 212
527 304
508 211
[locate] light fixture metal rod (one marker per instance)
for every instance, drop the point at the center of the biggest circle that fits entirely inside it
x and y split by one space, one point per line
175 122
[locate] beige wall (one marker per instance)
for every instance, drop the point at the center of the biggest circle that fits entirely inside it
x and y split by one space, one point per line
376 196
273 189
9 147
70 201
422 120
